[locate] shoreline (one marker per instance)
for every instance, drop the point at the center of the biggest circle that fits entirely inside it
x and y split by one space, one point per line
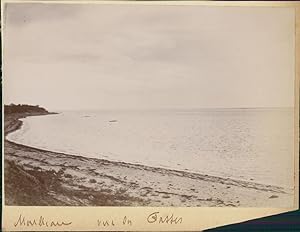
84 181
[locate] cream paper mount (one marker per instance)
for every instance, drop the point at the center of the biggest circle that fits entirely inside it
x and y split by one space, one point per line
148 116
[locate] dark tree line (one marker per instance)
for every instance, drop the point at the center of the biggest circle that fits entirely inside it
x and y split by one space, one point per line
24 108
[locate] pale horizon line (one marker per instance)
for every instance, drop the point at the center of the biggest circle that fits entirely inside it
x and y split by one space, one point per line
151 108
170 109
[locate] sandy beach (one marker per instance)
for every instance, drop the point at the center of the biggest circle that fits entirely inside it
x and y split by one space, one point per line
38 177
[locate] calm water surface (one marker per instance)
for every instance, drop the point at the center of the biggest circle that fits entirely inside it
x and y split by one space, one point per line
247 144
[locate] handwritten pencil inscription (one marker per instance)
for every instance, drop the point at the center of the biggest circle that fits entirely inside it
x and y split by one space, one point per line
155 217
111 223
40 221
169 219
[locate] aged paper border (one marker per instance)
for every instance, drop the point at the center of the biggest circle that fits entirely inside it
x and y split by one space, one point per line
193 218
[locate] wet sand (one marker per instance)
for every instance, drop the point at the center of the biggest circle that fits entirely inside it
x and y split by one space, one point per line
38 177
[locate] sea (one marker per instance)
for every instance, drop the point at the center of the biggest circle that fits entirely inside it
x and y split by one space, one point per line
254 145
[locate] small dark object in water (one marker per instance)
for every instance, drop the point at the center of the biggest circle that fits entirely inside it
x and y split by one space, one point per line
273 196
113 121
86 116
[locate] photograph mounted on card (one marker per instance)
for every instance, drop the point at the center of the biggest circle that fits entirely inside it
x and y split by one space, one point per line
148 115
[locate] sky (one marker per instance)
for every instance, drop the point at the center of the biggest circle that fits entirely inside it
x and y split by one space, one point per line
96 56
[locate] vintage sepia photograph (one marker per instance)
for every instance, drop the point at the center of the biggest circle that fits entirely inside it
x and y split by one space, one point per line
148 105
